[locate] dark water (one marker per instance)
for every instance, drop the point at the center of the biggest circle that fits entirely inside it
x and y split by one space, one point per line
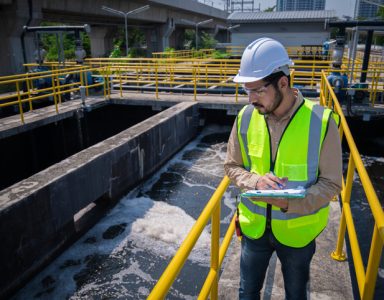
363 219
123 256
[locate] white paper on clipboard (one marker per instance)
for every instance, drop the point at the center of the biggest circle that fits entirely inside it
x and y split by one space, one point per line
286 193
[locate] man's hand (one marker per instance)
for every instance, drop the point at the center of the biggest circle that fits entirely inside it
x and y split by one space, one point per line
271 182
279 202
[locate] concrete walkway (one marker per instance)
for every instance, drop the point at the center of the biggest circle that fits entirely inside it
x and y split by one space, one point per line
329 279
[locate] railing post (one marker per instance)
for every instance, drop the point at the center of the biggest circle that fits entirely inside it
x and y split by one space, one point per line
237 92
121 82
29 92
373 264
54 92
82 94
19 100
345 197
215 238
157 81
194 83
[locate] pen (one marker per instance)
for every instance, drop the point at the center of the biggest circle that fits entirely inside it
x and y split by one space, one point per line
278 184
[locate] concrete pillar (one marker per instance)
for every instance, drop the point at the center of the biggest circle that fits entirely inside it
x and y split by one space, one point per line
12 19
177 38
101 40
166 31
152 37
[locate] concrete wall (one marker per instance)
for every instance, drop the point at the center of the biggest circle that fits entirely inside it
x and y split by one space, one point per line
17 13
289 34
37 214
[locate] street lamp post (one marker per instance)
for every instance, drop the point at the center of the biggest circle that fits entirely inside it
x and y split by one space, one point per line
229 29
125 15
197 28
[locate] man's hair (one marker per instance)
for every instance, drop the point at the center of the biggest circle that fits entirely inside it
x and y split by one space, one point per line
274 78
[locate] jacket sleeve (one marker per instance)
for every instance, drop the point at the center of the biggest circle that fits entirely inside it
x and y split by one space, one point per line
234 167
329 180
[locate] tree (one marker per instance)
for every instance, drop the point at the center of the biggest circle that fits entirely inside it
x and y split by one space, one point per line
269 9
50 43
380 14
207 41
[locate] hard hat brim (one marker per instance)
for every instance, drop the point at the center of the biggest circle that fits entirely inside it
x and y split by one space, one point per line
246 79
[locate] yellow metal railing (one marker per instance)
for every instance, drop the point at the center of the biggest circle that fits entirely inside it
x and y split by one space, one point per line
210 287
366 278
28 88
199 76
201 53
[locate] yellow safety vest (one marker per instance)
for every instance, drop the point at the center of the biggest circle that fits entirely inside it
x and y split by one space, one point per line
297 158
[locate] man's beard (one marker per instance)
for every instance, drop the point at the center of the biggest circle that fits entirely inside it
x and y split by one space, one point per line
276 103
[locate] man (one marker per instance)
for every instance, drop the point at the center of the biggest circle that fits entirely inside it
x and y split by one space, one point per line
280 140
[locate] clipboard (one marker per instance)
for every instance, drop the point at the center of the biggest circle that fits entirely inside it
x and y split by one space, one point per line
285 193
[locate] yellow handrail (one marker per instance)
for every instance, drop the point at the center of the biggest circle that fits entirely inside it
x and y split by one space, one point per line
212 209
55 90
201 75
366 279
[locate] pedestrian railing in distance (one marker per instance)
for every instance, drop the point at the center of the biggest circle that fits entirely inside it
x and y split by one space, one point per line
210 287
28 88
365 276
201 53
201 75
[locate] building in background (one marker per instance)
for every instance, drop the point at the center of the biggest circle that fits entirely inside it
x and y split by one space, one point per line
291 28
284 5
368 10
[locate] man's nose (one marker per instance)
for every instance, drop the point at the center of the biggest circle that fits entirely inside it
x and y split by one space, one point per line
253 98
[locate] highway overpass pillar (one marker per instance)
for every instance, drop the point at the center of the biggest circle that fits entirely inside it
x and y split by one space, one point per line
101 40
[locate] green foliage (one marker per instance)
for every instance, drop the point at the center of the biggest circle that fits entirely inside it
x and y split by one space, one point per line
51 43
207 41
136 52
136 42
217 54
334 32
380 39
269 9
189 39
169 49
116 52
169 52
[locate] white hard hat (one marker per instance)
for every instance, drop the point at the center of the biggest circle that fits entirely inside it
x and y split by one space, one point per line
262 58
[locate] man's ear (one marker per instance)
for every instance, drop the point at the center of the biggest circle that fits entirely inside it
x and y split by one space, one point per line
283 82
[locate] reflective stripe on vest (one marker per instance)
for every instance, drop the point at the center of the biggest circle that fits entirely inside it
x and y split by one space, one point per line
313 149
306 132
276 214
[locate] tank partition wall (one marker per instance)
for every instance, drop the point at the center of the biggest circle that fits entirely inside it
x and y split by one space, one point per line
34 147
37 213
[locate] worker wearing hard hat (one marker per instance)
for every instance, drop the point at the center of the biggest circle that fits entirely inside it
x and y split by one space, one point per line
280 141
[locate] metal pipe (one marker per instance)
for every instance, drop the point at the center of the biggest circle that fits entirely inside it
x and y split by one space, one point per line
367 52
85 28
126 35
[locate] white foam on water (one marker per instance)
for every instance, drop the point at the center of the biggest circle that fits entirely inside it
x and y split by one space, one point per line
370 160
150 227
164 226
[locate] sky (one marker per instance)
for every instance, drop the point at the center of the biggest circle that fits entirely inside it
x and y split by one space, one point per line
342 7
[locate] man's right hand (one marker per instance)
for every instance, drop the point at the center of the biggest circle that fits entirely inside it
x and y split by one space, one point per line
271 182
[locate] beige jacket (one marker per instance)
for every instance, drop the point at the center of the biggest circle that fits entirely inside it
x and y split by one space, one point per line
330 166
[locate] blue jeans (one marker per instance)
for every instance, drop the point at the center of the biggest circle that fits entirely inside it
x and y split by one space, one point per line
255 256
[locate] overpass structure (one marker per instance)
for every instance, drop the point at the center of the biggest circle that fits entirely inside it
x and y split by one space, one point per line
164 24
